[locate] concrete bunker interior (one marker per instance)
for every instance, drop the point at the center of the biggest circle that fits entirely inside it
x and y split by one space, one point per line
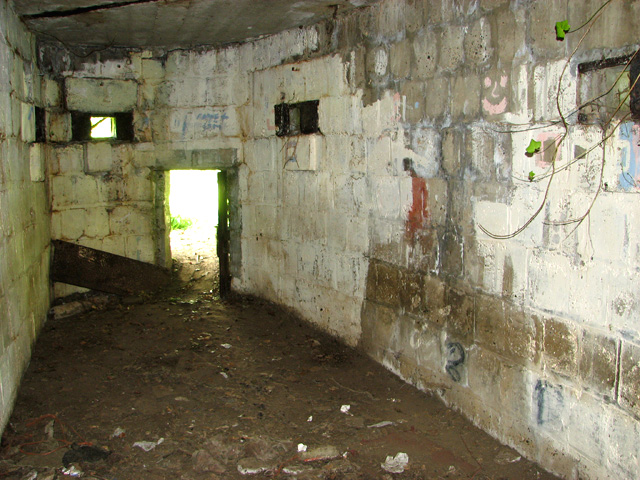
413 225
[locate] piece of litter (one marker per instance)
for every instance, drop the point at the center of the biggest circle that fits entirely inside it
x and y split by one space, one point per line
226 345
224 374
302 447
148 446
294 470
253 466
506 456
310 419
72 471
118 433
250 470
320 453
49 430
382 424
181 399
345 409
395 464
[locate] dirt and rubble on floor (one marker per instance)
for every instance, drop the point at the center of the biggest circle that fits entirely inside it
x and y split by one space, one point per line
195 262
188 386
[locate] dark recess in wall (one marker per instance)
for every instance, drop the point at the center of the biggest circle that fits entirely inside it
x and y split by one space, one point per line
41 125
297 118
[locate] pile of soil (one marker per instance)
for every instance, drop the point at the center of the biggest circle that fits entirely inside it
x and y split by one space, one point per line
187 386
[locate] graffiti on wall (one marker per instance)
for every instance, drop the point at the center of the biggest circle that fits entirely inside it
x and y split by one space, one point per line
495 98
548 402
208 122
455 359
200 124
419 215
629 178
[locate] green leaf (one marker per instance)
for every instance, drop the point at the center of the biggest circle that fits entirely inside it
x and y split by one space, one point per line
533 147
561 29
531 175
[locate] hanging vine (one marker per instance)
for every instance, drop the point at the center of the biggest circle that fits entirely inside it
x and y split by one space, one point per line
608 127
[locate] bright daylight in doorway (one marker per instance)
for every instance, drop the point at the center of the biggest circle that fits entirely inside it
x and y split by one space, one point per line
193 195
193 203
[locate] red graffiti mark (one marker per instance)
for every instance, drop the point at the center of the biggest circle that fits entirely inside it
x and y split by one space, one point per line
419 214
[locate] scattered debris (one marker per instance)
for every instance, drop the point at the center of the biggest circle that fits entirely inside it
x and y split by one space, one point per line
148 446
49 429
345 409
76 307
253 466
320 453
84 453
136 368
226 345
296 469
396 464
386 423
72 471
302 447
506 456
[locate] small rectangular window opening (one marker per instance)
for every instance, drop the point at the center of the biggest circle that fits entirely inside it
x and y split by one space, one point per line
603 85
90 126
41 125
297 118
103 127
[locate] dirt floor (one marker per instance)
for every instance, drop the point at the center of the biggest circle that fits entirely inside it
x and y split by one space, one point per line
187 386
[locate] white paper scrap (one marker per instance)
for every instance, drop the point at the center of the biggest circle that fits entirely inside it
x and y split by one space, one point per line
396 464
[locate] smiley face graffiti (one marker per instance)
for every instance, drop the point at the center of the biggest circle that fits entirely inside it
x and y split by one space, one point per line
495 101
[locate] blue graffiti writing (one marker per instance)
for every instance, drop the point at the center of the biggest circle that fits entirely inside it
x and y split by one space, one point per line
212 121
455 358
549 401
630 176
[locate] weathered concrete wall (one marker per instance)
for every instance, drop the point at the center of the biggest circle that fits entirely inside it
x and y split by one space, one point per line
426 111
375 228
534 337
24 209
112 195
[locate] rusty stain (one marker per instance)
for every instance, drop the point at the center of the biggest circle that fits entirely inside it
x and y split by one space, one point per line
419 214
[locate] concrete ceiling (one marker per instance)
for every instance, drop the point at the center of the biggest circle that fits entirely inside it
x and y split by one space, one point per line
170 23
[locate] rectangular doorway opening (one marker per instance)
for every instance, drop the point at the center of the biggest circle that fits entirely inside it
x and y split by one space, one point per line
197 223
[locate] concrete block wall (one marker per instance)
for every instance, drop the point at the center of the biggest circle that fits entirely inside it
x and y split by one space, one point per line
519 333
376 228
101 198
421 107
191 110
112 195
24 208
